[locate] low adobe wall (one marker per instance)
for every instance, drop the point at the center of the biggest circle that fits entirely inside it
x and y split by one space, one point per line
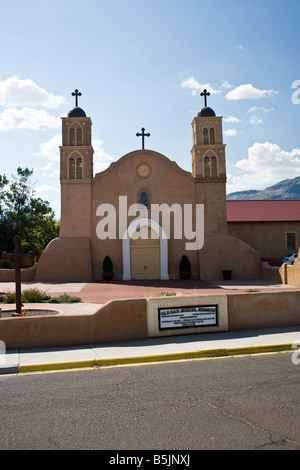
27 274
263 310
290 273
271 273
115 321
121 320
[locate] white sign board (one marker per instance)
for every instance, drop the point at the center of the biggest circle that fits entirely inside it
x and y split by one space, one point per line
188 317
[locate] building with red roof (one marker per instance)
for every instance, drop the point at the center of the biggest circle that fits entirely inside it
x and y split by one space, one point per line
271 227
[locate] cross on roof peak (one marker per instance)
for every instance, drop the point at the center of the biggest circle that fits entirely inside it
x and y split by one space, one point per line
205 93
143 135
76 93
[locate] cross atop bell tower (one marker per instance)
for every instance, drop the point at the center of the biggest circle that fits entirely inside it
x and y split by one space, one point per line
76 150
76 93
205 93
208 152
208 166
76 172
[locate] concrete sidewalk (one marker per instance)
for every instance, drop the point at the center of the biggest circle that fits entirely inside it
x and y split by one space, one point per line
175 348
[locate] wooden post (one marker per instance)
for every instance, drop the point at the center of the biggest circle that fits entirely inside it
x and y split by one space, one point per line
17 259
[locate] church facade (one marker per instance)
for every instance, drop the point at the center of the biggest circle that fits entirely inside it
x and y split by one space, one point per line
144 211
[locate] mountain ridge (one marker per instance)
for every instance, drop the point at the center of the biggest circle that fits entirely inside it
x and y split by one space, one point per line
285 189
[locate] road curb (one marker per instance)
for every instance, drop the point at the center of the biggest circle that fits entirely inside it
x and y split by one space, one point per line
152 358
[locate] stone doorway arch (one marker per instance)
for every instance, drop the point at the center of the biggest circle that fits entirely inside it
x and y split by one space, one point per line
163 247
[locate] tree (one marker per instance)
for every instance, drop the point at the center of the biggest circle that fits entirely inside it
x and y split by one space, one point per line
21 213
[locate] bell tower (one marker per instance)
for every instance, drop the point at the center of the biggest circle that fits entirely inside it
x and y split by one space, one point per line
76 172
209 168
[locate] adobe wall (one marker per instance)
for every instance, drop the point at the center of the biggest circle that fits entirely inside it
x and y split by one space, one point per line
121 320
263 310
115 321
267 238
271 273
65 260
290 273
27 274
228 253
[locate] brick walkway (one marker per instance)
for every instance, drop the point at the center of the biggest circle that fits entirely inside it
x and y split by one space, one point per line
97 293
102 292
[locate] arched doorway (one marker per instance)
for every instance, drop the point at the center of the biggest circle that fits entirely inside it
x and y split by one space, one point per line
151 252
145 255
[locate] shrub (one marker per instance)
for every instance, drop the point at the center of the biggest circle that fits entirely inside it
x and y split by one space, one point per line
9 298
34 296
107 265
184 264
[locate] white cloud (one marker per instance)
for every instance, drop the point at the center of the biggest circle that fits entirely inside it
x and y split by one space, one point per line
50 149
232 119
265 165
15 92
226 84
101 159
231 132
255 120
27 118
45 190
196 87
253 109
248 91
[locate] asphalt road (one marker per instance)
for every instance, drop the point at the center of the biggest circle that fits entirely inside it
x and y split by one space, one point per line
230 403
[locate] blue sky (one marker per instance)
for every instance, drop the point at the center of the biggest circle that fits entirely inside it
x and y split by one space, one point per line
143 64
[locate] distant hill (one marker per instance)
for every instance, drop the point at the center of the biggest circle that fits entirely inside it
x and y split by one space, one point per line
286 189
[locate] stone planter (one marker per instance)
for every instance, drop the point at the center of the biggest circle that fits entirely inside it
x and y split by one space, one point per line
227 275
107 276
185 274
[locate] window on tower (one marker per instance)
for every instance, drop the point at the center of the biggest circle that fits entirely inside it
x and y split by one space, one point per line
209 136
206 167
75 135
214 169
205 137
79 168
72 169
79 137
72 137
75 168
210 166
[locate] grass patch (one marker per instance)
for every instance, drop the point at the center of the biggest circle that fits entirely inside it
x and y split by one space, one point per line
167 294
252 290
64 299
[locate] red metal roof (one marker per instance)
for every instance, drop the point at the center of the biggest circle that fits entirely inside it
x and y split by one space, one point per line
277 210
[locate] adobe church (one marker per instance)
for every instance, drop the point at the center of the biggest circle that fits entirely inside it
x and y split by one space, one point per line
145 178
